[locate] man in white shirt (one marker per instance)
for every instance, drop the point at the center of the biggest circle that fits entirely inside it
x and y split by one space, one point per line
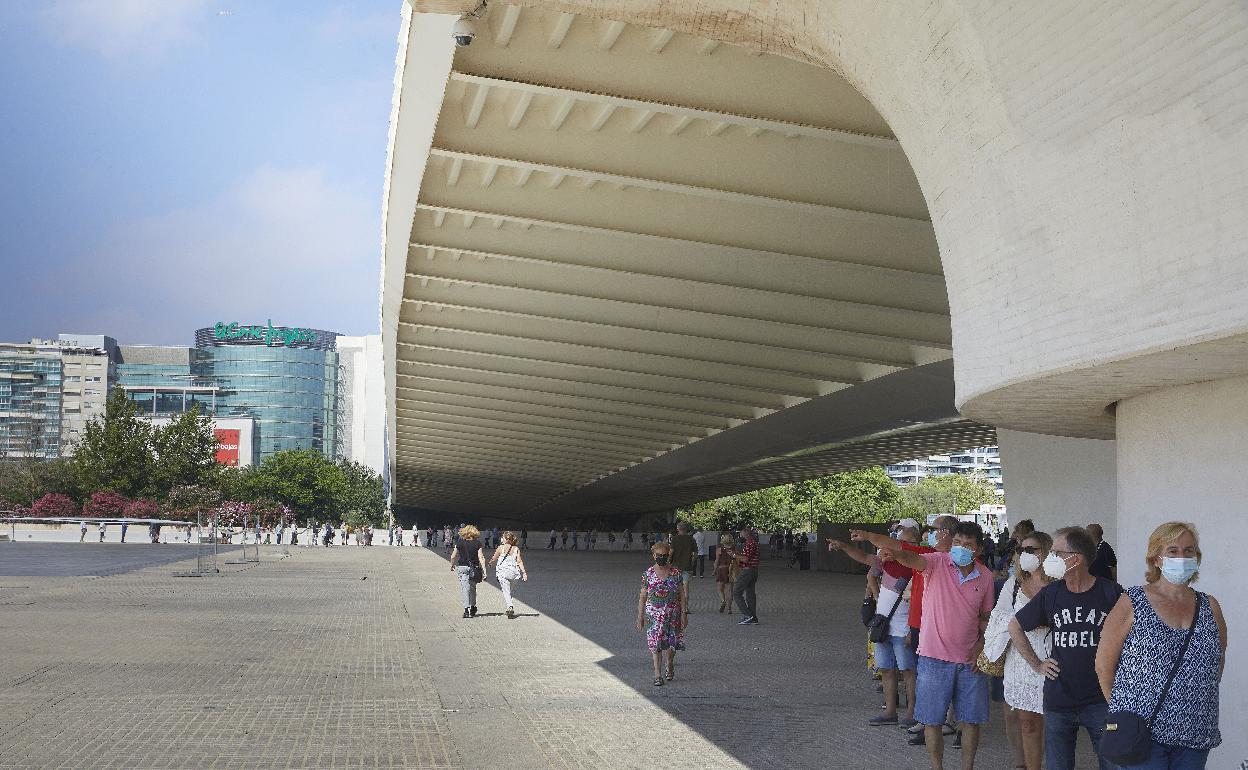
701 549
82 531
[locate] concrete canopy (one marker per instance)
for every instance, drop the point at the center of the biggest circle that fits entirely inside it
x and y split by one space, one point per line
628 269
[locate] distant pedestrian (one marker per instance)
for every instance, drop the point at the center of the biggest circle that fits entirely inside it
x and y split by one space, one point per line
593 539
82 531
125 525
510 567
743 590
466 560
281 529
576 540
611 540
1106 562
683 547
524 538
628 540
328 536
702 549
662 611
103 529
564 536
723 573
553 537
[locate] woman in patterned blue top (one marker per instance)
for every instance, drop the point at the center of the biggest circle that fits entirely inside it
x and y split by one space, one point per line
1139 644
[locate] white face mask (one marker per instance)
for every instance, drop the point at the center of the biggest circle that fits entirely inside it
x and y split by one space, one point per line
1055 566
1028 562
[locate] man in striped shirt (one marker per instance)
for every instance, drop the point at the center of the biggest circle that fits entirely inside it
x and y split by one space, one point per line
743 590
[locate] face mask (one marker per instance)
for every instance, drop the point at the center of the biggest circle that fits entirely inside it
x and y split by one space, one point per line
895 535
661 559
962 555
1177 570
931 539
1028 562
1055 566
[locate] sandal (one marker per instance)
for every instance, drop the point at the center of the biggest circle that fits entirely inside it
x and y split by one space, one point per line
671 672
658 681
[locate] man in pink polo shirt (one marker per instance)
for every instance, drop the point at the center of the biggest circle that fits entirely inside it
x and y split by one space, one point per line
957 600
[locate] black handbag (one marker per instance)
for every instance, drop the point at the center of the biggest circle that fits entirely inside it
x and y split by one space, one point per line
868 610
1128 737
877 629
476 574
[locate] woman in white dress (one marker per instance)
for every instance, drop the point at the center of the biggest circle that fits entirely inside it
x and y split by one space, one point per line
1024 688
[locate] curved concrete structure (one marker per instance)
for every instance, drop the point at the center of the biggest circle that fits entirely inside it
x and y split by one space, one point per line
643 268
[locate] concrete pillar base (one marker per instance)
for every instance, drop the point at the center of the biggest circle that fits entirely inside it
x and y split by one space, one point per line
1059 482
1183 456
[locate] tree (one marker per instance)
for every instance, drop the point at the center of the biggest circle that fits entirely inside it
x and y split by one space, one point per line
188 502
306 481
143 508
105 505
863 496
185 453
26 480
115 452
365 497
54 506
952 494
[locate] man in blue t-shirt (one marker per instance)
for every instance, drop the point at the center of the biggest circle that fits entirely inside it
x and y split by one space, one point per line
1074 608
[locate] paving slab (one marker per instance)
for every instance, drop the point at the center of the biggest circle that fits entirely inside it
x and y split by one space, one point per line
358 657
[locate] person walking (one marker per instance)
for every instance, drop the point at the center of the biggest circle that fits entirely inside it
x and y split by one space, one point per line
554 535
564 537
628 540
103 529
524 539
1105 564
723 573
510 567
743 590
465 556
701 547
1074 607
125 525
958 599
82 531
1165 629
576 540
683 549
662 611
1024 688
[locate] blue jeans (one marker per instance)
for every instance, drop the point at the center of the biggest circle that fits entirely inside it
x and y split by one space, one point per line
1163 757
1061 731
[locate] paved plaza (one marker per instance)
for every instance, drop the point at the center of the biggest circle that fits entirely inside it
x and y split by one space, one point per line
354 657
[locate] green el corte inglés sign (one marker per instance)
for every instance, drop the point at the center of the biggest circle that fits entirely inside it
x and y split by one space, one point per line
268 334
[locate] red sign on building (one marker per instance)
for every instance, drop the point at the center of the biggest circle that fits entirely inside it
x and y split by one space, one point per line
227 447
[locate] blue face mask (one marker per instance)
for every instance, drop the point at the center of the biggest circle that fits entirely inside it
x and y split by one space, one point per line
1178 571
962 555
931 538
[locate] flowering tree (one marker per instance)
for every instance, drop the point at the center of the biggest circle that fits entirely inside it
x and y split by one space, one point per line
271 514
232 513
143 509
54 506
105 505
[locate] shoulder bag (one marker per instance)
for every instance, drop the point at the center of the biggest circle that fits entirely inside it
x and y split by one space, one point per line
877 629
1128 737
996 667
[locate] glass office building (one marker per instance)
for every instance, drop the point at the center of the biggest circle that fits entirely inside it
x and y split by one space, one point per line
30 402
284 379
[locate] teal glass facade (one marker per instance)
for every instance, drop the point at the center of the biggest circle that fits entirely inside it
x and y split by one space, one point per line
291 393
30 403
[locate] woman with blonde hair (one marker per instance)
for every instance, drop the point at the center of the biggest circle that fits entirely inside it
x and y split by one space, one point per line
723 572
1160 661
466 560
663 610
510 567
1024 688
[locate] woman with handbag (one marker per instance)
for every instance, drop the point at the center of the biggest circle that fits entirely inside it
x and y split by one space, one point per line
1024 688
469 566
1160 662
510 567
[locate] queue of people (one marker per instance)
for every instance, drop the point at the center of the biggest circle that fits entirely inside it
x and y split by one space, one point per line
1053 636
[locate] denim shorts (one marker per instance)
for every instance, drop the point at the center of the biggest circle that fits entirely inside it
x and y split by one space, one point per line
941 683
894 653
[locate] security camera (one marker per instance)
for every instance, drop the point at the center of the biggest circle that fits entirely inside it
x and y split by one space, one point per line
464 32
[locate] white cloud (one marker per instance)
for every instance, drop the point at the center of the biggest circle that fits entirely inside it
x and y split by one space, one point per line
284 243
123 28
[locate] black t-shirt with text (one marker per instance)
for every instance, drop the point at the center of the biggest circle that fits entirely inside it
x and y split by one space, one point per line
1074 622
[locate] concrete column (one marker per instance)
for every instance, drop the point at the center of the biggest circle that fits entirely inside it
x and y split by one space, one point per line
1183 455
1059 482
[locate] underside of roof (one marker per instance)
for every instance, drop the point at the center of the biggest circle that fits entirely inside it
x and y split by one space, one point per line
646 269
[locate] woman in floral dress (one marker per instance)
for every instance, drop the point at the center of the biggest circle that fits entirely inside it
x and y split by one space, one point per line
663 611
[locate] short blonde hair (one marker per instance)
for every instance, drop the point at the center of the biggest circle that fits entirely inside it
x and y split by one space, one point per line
1163 536
726 540
660 546
469 532
509 538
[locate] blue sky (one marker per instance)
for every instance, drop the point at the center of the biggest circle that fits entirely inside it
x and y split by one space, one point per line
166 164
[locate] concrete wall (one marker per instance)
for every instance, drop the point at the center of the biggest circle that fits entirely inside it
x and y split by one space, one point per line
1182 456
1058 482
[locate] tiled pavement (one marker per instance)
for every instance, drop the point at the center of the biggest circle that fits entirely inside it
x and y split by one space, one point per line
351 657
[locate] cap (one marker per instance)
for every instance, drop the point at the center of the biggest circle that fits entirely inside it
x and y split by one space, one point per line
911 523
